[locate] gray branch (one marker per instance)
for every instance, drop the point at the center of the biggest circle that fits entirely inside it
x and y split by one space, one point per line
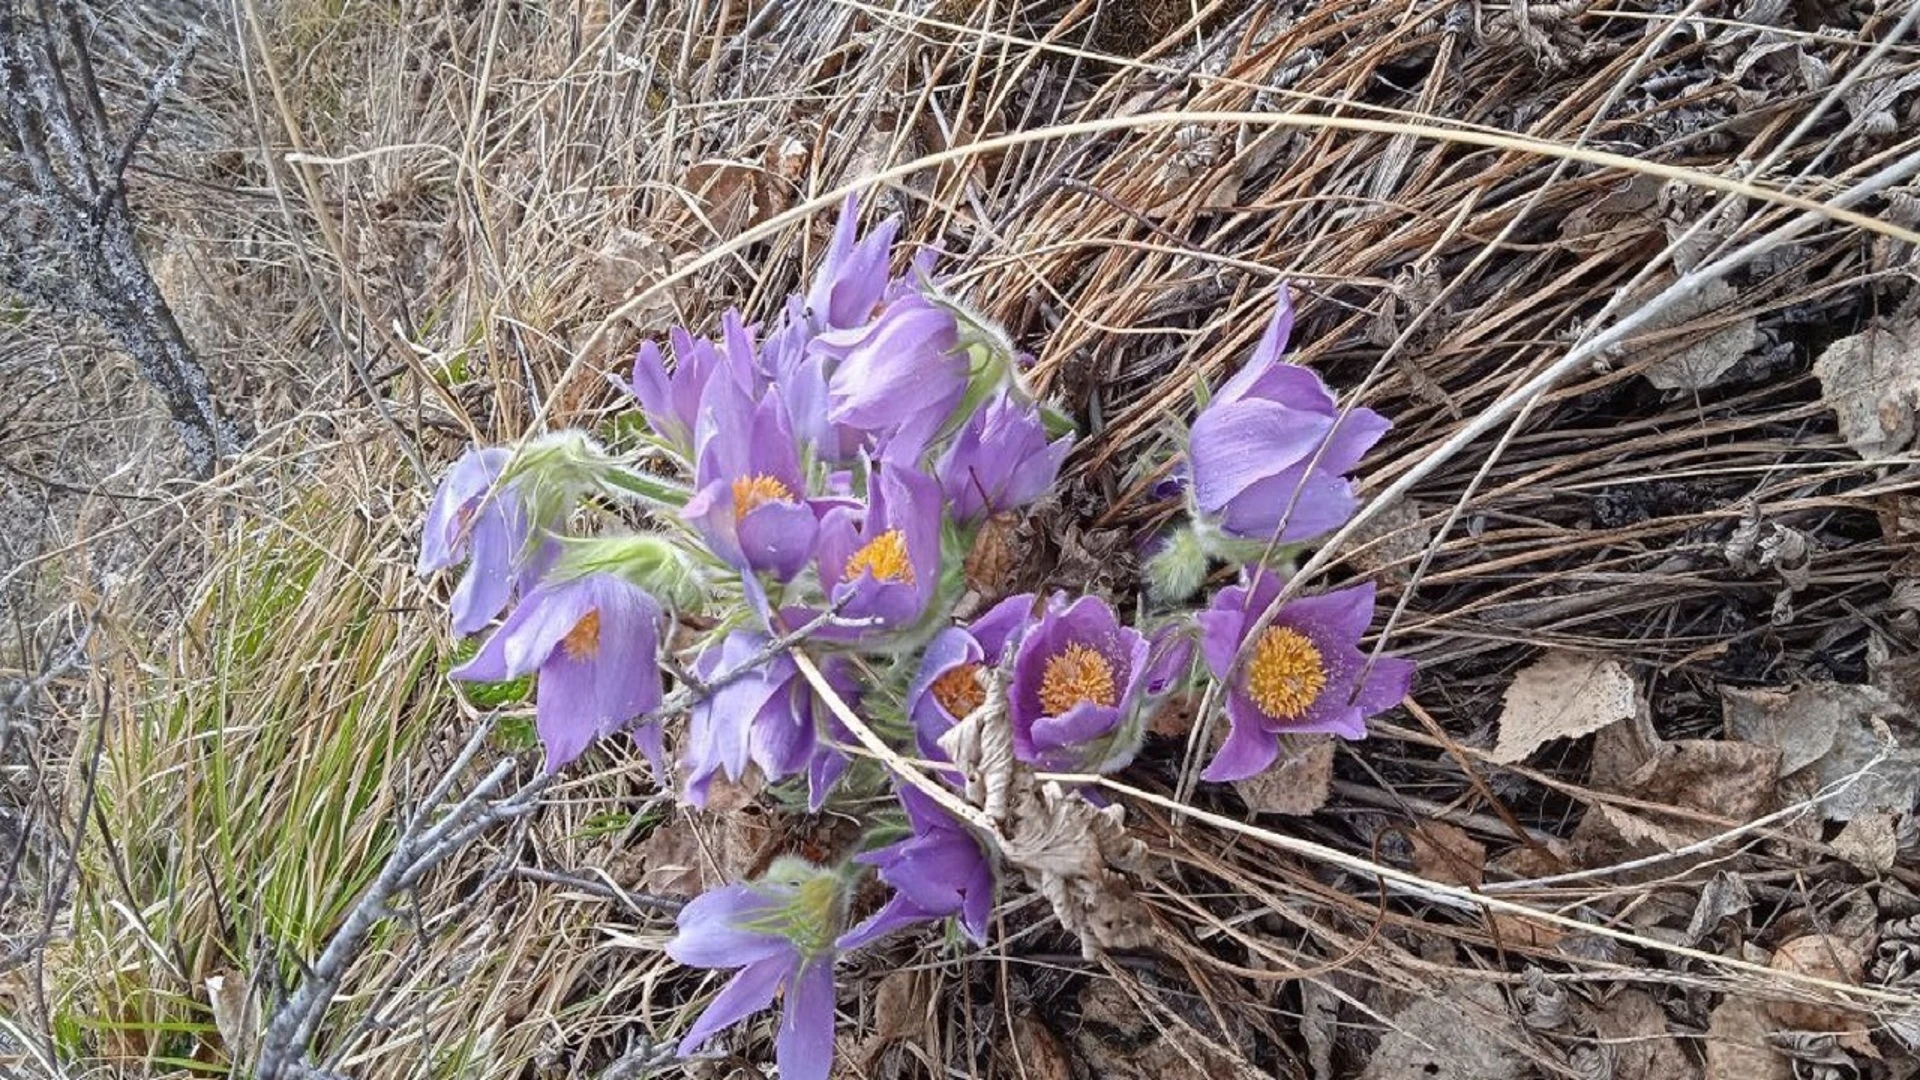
68 238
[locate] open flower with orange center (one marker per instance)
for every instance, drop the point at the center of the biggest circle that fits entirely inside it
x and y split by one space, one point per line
592 642
881 561
950 682
1076 693
750 502
1303 674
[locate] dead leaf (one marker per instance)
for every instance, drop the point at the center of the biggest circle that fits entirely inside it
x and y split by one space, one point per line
1737 1047
234 1016
1820 956
903 1011
1872 382
1833 732
1729 780
1041 1055
1634 1027
1459 1032
693 852
1562 695
628 262
1298 783
1448 854
1699 357
1870 842
1724 896
1520 932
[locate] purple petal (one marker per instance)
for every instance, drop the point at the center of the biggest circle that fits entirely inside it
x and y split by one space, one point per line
1386 685
1237 445
710 934
1001 624
1342 615
897 913
1248 750
1292 505
804 1047
1267 354
745 994
778 537
443 541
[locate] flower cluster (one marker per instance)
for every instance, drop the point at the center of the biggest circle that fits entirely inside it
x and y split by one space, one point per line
834 466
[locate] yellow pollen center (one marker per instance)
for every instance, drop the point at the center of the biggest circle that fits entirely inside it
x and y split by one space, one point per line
1286 674
1073 675
752 492
959 692
886 556
583 641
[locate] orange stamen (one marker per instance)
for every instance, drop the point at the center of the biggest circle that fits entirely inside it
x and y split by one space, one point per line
1076 674
885 556
752 492
959 690
583 641
1286 674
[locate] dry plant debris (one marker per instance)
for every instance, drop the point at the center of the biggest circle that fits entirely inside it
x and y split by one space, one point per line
473 227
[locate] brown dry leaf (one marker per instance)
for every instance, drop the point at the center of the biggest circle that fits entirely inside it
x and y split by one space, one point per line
1869 842
1726 779
1872 382
1562 695
1299 781
1633 1026
1697 359
1520 932
1448 854
694 852
1459 1032
1174 718
1830 730
734 195
1820 956
903 1010
629 261
1737 1047
234 1016
1041 1055
1389 545
1117 1039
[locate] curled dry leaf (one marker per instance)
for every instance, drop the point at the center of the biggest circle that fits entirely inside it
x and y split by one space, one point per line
1635 1027
1076 857
1832 732
1298 783
1700 356
1448 854
1737 1045
1562 695
1459 1032
1733 781
1872 382
1819 956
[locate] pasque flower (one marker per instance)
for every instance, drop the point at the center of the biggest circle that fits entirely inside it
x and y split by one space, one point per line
779 931
1000 459
881 561
1269 454
1077 677
1303 674
750 504
592 642
852 278
948 685
939 871
671 400
770 717
899 377
476 517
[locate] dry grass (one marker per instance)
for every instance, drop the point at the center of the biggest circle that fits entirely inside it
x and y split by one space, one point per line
477 211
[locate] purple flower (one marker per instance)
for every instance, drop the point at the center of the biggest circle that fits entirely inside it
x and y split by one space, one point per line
852 279
1076 682
899 377
1268 453
1000 460
1305 673
779 932
672 401
947 686
937 872
768 717
475 517
594 642
882 561
750 505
